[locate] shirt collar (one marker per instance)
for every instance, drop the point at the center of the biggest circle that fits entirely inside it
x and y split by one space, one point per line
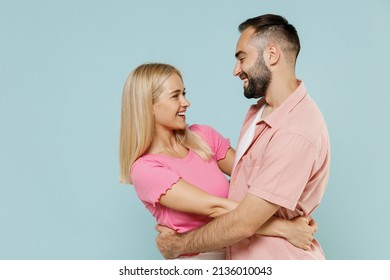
286 107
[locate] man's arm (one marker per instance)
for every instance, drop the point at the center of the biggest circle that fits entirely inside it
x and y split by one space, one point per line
223 231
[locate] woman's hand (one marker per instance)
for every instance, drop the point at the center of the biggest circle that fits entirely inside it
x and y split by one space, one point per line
300 231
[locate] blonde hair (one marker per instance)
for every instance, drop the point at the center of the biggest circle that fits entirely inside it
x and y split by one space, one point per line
142 88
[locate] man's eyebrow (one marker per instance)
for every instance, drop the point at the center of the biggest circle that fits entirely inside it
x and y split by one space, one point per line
239 53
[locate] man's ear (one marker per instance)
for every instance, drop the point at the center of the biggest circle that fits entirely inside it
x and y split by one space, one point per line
272 54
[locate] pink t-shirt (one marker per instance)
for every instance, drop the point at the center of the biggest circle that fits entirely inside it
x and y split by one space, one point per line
154 174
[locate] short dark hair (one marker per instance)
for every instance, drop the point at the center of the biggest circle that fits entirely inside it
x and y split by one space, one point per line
276 28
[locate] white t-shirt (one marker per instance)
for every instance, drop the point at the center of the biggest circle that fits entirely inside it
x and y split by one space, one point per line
248 137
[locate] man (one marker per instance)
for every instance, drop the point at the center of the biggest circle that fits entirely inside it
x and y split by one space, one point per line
282 160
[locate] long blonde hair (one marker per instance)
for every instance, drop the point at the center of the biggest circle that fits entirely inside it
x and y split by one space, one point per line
142 88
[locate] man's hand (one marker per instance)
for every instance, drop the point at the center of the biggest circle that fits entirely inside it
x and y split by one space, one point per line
167 242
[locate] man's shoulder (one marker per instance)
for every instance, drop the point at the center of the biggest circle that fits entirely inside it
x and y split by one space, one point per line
305 119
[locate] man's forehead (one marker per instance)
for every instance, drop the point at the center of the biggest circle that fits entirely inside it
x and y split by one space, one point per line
244 39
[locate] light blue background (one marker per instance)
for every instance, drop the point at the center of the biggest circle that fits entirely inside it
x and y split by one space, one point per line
63 66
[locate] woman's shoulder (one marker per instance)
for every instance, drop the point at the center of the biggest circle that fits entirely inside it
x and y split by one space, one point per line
146 165
206 131
202 129
146 162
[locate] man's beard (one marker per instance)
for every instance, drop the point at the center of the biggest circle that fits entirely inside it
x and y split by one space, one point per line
259 81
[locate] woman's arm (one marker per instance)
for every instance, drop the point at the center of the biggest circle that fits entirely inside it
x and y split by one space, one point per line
226 164
186 197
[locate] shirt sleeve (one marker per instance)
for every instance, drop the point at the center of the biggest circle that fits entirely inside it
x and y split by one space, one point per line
218 144
281 174
151 179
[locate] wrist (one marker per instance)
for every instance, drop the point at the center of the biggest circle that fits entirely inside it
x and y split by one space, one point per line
283 228
183 245
179 247
285 232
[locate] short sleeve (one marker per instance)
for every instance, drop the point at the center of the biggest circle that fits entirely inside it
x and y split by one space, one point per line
151 179
218 144
284 170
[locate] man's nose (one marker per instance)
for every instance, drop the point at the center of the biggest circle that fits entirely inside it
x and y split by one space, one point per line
237 69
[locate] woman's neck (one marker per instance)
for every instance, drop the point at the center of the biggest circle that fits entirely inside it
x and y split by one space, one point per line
167 144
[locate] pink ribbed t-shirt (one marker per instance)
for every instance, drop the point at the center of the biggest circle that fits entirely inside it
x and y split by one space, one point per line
154 174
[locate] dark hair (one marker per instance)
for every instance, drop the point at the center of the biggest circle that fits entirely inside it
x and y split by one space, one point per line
276 28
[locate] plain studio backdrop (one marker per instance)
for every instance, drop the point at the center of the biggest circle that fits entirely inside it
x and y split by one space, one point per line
62 69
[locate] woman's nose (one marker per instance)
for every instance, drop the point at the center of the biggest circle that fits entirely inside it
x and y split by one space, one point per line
185 102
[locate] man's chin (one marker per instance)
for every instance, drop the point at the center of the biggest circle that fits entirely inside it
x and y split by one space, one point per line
248 95
252 96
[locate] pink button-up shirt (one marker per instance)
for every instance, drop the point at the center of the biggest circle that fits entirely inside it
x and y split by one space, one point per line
287 164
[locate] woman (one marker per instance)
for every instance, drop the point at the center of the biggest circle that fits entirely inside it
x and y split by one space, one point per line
178 171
